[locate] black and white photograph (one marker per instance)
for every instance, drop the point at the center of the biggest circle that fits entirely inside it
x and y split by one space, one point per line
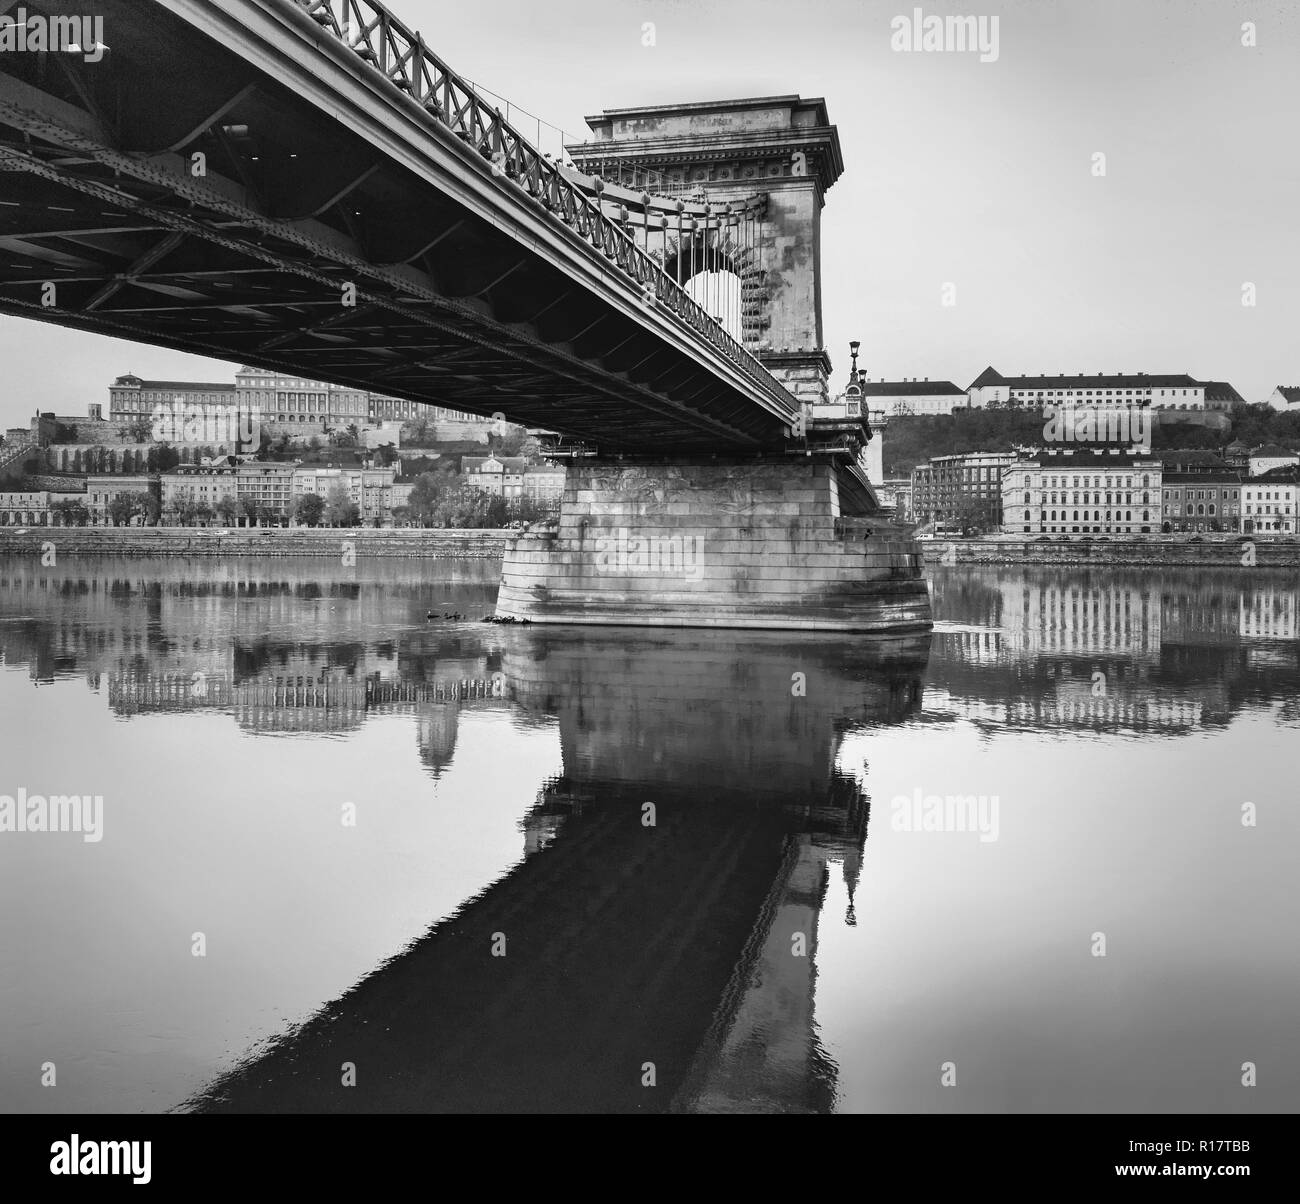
649 558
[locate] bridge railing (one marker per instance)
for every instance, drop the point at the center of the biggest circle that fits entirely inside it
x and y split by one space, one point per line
390 47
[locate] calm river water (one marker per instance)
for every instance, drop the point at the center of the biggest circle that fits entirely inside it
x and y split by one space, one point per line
353 857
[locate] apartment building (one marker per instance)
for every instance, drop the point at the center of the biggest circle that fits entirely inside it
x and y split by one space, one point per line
1082 491
961 490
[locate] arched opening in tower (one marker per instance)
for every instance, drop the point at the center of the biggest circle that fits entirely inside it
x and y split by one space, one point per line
718 293
717 274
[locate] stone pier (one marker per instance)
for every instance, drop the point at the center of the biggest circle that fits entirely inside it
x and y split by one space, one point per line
747 544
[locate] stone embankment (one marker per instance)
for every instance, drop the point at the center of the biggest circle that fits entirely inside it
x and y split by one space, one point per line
268 541
1232 551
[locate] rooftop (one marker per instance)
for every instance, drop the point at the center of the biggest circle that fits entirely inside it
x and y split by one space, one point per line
1268 451
1284 474
909 388
1118 380
174 386
1081 457
508 463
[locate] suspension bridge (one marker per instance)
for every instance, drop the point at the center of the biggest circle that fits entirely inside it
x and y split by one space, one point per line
306 186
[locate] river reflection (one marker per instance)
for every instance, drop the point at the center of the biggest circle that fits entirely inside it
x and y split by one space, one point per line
443 865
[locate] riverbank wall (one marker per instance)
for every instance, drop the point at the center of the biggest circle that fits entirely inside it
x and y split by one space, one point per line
433 544
334 543
1236 551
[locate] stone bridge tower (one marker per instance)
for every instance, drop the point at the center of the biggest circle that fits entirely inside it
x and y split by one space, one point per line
783 146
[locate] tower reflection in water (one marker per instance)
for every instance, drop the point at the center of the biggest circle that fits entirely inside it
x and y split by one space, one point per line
656 949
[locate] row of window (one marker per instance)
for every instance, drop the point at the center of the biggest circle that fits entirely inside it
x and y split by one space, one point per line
1104 392
1093 482
1201 508
1096 498
1044 516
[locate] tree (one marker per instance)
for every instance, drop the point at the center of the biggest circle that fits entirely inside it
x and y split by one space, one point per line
340 509
228 509
268 516
496 513
71 512
139 429
417 433
126 507
150 506
508 444
162 457
247 508
184 508
308 509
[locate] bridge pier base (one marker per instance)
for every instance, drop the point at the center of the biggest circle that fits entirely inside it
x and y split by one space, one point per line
748 544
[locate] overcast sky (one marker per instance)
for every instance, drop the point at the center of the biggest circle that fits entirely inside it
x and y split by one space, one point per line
978 174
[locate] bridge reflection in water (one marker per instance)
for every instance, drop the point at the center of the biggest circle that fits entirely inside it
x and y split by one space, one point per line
689 944
624 944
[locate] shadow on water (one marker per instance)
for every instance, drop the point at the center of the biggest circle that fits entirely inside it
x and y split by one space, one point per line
663 925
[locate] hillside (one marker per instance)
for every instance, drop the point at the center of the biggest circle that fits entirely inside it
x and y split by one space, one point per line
912 440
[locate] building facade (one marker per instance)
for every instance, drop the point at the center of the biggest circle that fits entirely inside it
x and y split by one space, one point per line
102 489
1270 456
1285 398
26 508
903 398
1204 501
371 489
544 483
1172 392
281 402
198 485
298 406
131 398
962 491
267 486
501 476
1269 503
1081 491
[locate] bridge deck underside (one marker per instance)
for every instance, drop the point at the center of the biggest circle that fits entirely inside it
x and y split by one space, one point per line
459 300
